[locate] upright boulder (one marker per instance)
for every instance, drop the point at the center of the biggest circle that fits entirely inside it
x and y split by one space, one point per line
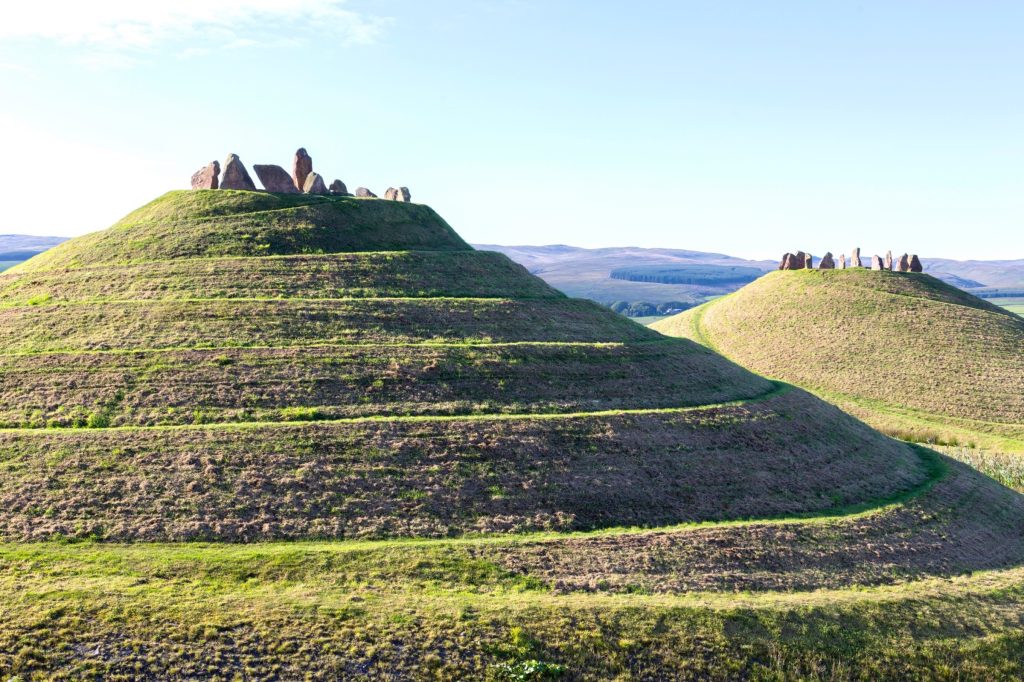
888 260
391 194
876 263
302 166
404 195
235 175
363 192
904 264
338 187
842 261
275 179
787 261
915 264
855 258
206 177
826 262
314 184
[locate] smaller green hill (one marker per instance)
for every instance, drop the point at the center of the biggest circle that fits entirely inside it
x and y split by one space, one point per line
906 352
208 223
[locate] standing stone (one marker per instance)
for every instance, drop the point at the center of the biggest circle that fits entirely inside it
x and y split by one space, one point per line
302 166
235 175
363 192
904 264
888 260
314 184
275 179
391 194
876 262
855 258
826 262
842 261
404 195
206 177
787 261
915 264
338 187
800 260
808 261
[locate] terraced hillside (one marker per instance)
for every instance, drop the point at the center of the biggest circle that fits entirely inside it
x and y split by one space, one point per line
906 352
475 475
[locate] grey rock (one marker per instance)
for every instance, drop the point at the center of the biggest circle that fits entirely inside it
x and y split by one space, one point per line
302 166
787 261
275 179
826 262
235 175
314 184
904 264
391 194
842 261
206 177
876 262
338 187
363 192
915 264
855 258
404 195
888 260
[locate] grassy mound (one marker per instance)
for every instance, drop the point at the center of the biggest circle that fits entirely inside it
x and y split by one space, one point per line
446 470
906 352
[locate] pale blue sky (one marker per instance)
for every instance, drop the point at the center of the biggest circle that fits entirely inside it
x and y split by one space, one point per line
741 127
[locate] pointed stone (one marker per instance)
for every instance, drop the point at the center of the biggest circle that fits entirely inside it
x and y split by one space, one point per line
842 261
904 264
826 262
338 187
314 184
235 175
302 166
888 260
915 264
787 261
855 258
206 177
876 262
275 179
363 192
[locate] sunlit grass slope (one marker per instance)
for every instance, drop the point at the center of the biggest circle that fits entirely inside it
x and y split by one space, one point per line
911 355
250 436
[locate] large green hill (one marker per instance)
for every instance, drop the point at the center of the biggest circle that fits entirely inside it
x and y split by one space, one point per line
253 436
908 353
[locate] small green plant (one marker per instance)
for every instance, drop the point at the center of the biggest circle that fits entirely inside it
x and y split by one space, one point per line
526 671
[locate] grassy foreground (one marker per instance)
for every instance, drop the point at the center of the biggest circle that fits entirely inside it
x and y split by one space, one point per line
328 611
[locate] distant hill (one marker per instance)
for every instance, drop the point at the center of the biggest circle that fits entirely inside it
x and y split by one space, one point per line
15 248
907 353
588 273
670 276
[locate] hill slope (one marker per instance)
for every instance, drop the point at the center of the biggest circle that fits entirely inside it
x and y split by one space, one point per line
475 475
906 352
